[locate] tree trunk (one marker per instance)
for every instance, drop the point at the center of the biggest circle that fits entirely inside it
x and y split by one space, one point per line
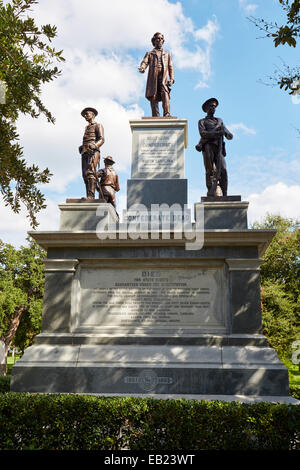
7 340
2 358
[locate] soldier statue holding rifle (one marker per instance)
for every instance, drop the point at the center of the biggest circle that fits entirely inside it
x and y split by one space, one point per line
93 138
212 145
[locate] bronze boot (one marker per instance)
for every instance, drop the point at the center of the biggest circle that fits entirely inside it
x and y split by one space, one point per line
91 186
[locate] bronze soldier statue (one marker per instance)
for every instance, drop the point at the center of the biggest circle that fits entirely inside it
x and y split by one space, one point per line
212 145
93 138
160 76
109 181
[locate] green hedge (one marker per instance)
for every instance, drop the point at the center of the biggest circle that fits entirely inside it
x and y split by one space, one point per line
4 383
81 422
295 391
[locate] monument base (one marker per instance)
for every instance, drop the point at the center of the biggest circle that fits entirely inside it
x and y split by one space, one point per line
220 198
146 316
176 369
224 212
156 191
85 214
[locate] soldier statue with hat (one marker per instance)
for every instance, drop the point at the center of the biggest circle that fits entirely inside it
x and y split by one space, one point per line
212 145
93 138
109 181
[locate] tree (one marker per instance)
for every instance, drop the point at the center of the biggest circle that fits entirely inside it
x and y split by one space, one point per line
280 281
26 62
21 294
289 78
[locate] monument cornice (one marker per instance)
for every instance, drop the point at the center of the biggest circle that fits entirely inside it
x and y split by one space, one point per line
221 237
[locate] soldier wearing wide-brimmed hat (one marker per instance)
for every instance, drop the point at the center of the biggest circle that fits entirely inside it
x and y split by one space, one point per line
212 145
208 102
93 138
109 181
93 110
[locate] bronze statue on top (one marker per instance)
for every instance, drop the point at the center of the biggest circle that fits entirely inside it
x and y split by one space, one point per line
212 145
160 76
93 138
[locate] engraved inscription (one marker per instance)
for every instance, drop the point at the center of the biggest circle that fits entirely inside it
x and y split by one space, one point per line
148 380
158 153
164 297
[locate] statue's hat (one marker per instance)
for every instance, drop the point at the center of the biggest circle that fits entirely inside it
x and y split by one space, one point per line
109 159
207 102
89 109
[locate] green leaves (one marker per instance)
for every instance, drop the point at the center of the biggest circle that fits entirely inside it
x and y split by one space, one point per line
286 34
280 280
74 422
21 292
26 62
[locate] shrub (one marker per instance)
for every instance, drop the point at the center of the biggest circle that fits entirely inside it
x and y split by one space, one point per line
4 383
81 422
295 391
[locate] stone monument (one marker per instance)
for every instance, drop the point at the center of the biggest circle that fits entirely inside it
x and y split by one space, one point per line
157 170
144 315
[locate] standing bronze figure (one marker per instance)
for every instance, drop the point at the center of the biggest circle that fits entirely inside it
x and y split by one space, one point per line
93 138
160 76
109 181
212 145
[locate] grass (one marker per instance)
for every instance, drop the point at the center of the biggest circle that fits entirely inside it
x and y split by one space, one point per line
294 373
11 361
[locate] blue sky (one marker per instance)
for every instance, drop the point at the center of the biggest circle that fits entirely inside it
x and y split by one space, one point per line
216 52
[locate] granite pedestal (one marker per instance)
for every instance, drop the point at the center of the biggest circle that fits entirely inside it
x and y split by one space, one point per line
157 168
148 317
155 314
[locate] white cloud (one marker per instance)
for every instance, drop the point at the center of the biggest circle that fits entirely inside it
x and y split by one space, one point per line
276 199
94 76
248 8
295 99
100 45
209 32
235 128
56 146
118 139
197 58
14 227
120 26
251 173
201 84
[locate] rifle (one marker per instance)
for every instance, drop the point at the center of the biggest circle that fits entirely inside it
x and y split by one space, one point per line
90 153
220 153
218 167
98 186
